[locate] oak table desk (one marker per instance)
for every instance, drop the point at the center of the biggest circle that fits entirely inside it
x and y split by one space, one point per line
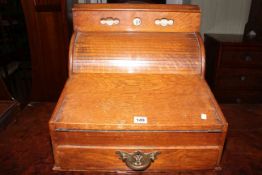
136 98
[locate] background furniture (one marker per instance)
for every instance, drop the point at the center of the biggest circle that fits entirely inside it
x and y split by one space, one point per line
48 40
8 106
234 62
234 68
255 21
15 66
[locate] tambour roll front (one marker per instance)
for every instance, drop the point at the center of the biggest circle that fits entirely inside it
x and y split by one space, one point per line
136 98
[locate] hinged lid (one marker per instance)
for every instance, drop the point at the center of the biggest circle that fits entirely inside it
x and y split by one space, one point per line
112 101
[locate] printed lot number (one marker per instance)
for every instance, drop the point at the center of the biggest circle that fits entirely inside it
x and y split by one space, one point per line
140 119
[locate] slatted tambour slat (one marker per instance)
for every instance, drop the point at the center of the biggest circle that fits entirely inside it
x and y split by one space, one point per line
136 53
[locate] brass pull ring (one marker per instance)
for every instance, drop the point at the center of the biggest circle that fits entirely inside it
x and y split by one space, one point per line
138 161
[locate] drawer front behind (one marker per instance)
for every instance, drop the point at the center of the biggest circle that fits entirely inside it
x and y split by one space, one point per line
240 79
166 158
243 58
238 96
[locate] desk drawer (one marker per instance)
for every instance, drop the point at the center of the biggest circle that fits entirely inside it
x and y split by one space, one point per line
105 158
244 58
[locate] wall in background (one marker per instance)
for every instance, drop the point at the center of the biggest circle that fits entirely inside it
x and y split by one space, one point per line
174 1
223 16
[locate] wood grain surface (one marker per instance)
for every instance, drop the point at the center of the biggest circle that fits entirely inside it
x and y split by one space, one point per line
110 102
136 138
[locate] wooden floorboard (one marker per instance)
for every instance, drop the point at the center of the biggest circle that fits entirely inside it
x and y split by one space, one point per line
25 146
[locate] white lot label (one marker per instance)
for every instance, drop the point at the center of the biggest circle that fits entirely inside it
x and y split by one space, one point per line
140 119
203 116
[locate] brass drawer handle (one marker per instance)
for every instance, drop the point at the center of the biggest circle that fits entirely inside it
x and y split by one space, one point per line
109 21
164 22
138 161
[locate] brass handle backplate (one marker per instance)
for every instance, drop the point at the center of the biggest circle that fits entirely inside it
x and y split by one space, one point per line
138 161
109 21
164 22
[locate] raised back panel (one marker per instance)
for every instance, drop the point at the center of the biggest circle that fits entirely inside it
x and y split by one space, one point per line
170 45
87 18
